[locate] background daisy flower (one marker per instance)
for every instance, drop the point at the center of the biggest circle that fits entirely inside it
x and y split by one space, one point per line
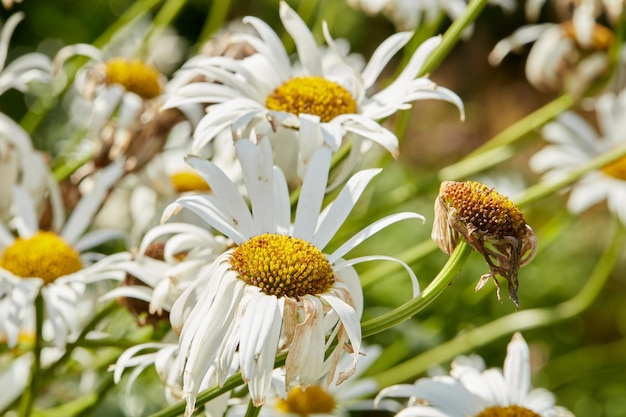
478 393
266 87
276 289
573 142
55 264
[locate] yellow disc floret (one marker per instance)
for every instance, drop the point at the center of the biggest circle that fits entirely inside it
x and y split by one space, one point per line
616 169
509 411
45 255
188 181
483 208
282 266
135 76
601 36
312 95
304 402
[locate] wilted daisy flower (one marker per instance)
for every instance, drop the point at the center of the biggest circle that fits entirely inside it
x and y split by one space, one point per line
265 91
563 56
276 289
55 265
573 142
490 223
471 392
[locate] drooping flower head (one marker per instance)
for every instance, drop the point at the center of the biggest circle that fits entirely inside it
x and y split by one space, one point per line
471 391
276 289
493 225
269 94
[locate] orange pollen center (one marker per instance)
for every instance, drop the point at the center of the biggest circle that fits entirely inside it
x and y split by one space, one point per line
135 76
312 95
189 181
304 402
616 169
480 206
282 266
509 411
601 36
45 255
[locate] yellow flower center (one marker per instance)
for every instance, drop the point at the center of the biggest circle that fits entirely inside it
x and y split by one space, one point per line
44 255
312 95
135 76
282 266
616 169
313 400
485 209
189 181
601 36
510 411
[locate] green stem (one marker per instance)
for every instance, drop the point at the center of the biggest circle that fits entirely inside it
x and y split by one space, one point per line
252 411
168 12
453 34
28 398
519 321
496 150
542 190
428 295
215 20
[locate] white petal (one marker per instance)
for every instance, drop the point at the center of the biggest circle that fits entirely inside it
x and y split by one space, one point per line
308 50
382 55
517 369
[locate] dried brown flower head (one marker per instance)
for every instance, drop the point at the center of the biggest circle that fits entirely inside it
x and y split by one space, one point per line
490 223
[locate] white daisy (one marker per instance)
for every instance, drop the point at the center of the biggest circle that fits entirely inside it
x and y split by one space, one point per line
564 55
471 392
317 401
52 263
276 289
573 142
266 92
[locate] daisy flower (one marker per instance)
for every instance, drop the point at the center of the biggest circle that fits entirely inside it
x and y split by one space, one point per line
573 142
565 55
54 264
317 401
471 392
265 91
123 109
276 289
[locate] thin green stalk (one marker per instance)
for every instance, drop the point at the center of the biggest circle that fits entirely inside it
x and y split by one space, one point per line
252 411
542 190
496 150
168 12
518 321
428 295
95 320
30 393
215 20
453 35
